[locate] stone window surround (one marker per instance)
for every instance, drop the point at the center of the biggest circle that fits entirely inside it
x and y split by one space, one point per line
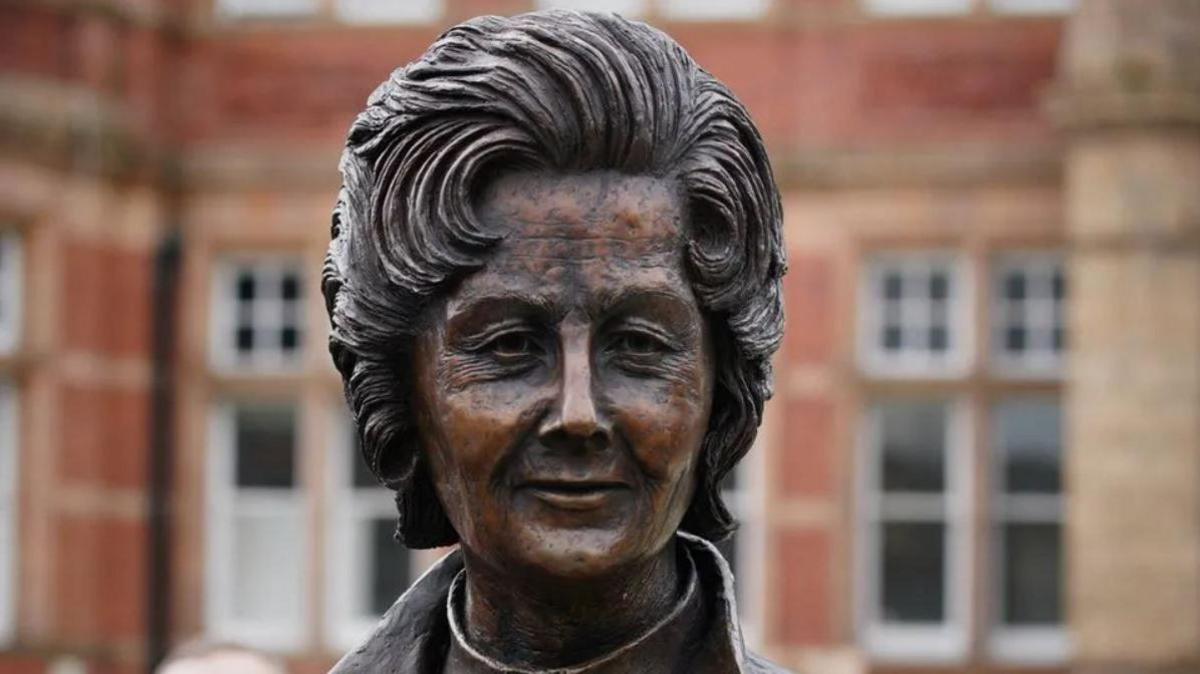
898 642
224 308
1042 314
1028 645
9 548
968 392
955 360
226 501
346 565
745 500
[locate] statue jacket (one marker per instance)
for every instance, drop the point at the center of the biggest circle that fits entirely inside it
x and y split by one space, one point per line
416 634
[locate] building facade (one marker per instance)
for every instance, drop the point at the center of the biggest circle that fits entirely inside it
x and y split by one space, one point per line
984 450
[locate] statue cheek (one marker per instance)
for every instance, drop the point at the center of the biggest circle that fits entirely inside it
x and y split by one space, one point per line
479 428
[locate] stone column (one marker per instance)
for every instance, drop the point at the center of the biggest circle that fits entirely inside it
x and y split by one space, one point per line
1128 99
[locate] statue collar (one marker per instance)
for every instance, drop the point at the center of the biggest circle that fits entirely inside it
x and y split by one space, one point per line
657 649
416 633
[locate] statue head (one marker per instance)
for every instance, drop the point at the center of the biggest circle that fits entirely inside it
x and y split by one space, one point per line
556 256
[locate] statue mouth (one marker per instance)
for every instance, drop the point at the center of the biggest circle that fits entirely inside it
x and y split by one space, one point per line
575 494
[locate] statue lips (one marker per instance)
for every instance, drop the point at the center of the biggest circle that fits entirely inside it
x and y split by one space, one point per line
576 494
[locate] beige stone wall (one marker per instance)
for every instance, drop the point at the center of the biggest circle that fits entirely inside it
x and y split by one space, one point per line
1129 94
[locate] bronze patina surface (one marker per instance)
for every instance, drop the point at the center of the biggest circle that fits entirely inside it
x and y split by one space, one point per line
554 285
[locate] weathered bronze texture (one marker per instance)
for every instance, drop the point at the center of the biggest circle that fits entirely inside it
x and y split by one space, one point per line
554 285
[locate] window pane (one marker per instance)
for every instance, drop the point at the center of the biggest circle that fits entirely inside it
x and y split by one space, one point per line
265 449
246 286
1032 570
289 287
893 286
911 320
914 446
267 583
1027 311
1029 439
389 565
914 568
261 304
938 285
245 339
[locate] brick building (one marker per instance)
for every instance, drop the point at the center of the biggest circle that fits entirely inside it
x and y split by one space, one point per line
969 186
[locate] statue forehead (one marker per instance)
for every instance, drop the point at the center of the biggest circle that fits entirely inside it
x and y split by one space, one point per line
582 217
589 236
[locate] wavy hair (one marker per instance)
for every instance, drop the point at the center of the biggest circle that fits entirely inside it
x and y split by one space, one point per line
553 91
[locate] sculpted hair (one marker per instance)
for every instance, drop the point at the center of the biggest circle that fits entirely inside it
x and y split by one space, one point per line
563 92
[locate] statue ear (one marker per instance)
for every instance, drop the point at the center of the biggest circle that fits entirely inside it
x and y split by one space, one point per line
423 522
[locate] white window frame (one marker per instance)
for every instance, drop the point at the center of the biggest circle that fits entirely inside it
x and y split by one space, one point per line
1033 363
874 359
346 563
916 644
1038 7
714 10
12 289
747 504
223 351
1026 645
9 527
224 502
266 9
898 8
402 12
629 8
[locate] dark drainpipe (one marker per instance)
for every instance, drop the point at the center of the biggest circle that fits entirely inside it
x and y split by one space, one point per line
162 445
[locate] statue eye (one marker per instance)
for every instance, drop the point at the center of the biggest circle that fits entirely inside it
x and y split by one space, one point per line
637 343
513 344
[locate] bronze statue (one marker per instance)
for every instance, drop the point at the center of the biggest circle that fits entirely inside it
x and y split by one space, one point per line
554 284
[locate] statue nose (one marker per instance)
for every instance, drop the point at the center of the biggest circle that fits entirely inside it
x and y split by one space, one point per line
576 420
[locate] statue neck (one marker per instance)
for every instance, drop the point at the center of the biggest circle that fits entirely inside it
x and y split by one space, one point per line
535 624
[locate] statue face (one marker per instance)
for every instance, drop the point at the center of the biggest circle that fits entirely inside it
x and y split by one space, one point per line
562 392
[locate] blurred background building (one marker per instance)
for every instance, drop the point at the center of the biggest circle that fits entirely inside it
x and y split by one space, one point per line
984 450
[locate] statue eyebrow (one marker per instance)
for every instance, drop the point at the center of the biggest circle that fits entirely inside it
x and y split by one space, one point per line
499 304
625 298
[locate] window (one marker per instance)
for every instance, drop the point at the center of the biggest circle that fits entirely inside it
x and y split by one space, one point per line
257 318
918 7
257 534
714 10
1032 6
1027 513
237 9
389 11
1028 305
914 318
367 568
744 550
914 544
8 510
623 7
11 289
922 558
